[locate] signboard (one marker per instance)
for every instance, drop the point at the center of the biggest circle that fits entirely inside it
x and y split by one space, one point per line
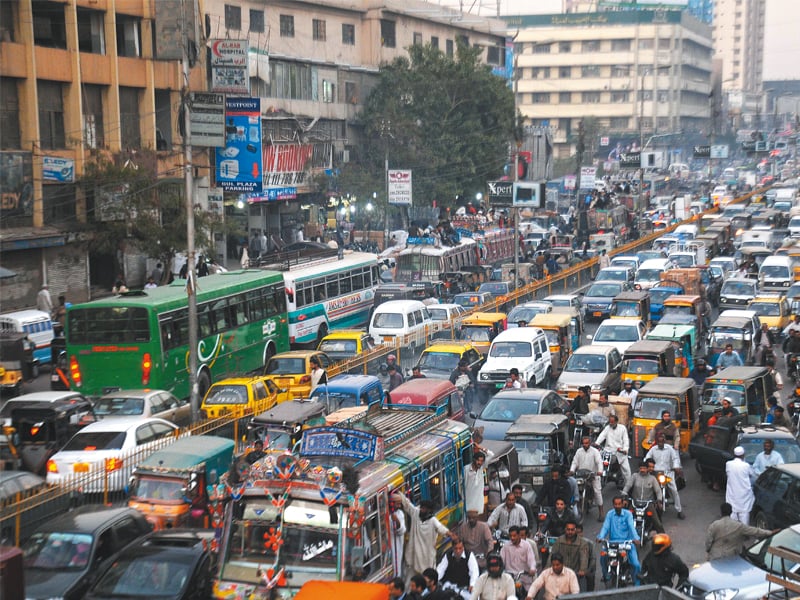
630 160
238 165
230 72
605 140
207 120
287 165
399 187
529 194
588 177
500 192
569 182
652 160
57 169
271 194
347 443
16 184
719 151
171 17
702 151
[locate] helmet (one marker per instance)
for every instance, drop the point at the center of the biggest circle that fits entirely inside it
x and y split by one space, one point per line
629 382
383 368
391 358
661 542
494 560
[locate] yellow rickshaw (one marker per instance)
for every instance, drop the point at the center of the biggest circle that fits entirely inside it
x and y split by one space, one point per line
684 309
645 360
634 304
575 323
559 337
481 328
678 395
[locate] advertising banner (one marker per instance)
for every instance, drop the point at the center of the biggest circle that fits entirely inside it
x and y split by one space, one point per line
286 165
207 120
718 151
57 169
272 194
238 165
229 66
500 192
588 177
399 187
16 184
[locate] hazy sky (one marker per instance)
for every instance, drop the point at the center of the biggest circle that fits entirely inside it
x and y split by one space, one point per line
781 40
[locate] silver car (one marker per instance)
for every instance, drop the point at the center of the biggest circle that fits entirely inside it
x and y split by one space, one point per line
144 403
743 577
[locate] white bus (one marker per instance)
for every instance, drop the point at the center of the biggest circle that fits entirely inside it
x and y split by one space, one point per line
330 294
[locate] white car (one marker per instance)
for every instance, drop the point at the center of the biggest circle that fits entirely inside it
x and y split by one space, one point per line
110 449
620 333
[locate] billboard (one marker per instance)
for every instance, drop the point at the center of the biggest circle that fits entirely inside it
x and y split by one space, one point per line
529 194
171 17
399 187
287 164
207 120
230 73
16 184
239 163
58 170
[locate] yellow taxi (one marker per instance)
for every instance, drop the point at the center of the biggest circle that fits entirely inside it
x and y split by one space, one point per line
345 344
235 395
440 359
291 371
772 309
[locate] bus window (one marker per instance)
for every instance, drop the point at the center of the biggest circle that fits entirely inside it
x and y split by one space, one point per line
332 282
256 303
358 280
269 300
319 292
279 297
345 283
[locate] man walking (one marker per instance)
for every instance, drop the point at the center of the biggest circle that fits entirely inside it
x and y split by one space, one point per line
726 536
739 491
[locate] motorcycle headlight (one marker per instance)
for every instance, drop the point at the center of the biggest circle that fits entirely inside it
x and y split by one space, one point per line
723 594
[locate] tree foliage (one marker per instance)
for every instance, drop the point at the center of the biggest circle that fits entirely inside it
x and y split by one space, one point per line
448 119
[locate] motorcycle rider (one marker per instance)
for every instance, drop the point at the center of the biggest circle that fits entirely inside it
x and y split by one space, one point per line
662 564
619 526
519 558
476 535
574 549
700 372
629 391
588 458
556 487
494 584
668 460
791 346
781 420
507 514
765 342
557 518
580 404
458 569
464 379
603 407
614 439
671 432
556 581
644 486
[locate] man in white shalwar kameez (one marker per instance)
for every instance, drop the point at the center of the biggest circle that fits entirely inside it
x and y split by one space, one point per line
475 482
739 491
423 531
398 521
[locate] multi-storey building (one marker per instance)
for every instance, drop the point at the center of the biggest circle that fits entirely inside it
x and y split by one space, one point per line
640 73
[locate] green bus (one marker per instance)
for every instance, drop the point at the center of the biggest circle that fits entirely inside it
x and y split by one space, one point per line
139 339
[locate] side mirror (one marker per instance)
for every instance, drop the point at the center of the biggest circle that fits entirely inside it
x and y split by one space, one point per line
473 415
589 336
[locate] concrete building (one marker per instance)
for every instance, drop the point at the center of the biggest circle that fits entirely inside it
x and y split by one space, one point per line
641 74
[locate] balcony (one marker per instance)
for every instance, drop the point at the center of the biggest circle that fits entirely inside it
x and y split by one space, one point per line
95 68
132 72
53 64
12 60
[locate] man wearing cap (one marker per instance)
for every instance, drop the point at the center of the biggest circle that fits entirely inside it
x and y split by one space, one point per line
739 491
476 535
629 392
728 409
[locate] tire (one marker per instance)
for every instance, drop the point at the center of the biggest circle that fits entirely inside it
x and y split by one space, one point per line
203 383
761 520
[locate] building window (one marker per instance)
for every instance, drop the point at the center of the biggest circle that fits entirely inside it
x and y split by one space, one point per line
590 97
620 45
9 114
129 36
291 81
91 31
348 34
387 34
318 30
233 17
51 114
7 22
565 47
565 72
590 71
496 55
93 132
540 98
664 44
591 46
645 95
287 26
646 123
619 97
416 38
49 27
448 47
328 91
463 39
564 97
619 122
620 71
541 48
58 203
646 44
256 21
163 100
351 92
129 117
540 73
663 123
435 42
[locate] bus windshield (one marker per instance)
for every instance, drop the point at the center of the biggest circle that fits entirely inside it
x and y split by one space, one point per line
107 325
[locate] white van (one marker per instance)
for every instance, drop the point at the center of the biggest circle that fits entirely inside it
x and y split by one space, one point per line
523 348
794 226
776 273
36 324
649 272
405 319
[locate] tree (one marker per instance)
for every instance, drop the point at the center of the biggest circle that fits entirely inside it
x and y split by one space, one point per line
449 120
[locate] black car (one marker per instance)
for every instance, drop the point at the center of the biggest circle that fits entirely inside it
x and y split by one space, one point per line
169 564
777 492
63 556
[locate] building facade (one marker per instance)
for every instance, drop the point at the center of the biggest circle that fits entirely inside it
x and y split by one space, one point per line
641 74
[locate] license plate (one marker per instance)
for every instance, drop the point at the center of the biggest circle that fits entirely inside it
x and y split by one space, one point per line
388 338
597 314
499 385
537 480
80 468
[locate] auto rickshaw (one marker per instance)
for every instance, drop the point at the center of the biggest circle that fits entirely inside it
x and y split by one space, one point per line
685 340
685 310
542 443
730 330
632 304
645 360
13 354
747 388
660 292
575 323
502 470
481 328
557 328
282 426
678 395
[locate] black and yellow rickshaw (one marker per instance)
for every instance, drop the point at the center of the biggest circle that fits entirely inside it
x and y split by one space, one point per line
634 304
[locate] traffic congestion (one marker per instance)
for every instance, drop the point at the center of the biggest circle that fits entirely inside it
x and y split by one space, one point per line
615 405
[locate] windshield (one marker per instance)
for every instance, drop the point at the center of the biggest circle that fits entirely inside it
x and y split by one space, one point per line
438 314
586 363
776 271
766 309
617 333
475 333
348 346
671 309
624 262
153 574
719 339
508 409
757 553
648 407
158 488
648 254
717 271
640 366
713 395
683 260
787 448
649 275
227 394
309 539
119 405
286 366
57 551
510 350
494 288
552 337
612 275
108 325
335 400
525 313
467 300
439 361
658 295
385 320
604 290
533 453
95 440
738 288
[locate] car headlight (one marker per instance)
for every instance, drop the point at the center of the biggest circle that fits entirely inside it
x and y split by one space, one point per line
484 376
723 594
561 387
597 387
723 299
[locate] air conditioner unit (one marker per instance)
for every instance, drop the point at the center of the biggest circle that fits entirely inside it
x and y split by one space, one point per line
345 156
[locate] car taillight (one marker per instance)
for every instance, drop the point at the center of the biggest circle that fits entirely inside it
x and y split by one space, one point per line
113 464
147 366
75 371
305 379
52 467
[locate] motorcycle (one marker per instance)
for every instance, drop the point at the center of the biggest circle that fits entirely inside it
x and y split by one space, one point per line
663 481
793 367
612 471
454 589
793 406
618 571
520 586
585 492
544 541
642 517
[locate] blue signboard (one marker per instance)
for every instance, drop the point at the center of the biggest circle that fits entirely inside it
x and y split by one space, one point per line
239 165
349 443
55 168
271 194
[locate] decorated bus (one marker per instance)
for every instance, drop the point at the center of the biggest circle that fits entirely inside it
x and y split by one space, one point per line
323 513
140 338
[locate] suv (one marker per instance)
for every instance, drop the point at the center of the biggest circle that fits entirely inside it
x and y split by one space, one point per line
777 492
737 292
596 366
525 348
